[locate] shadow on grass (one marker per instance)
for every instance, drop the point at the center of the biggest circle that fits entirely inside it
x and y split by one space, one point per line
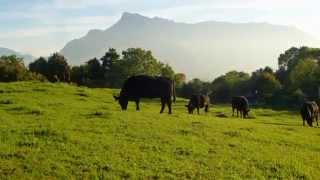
98 114
82 94
12 90
291 109
6 101
40 90
26 110
279 124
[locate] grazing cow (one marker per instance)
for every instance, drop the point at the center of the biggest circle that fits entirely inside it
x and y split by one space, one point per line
240 103
309 112
197 102
143 86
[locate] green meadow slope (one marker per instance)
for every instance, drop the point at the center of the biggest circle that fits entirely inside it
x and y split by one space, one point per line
62 131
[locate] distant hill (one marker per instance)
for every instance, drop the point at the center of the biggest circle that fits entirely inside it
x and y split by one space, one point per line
26 57
203 50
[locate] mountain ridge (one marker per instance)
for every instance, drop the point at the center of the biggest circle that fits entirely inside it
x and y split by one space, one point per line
27 58
205 49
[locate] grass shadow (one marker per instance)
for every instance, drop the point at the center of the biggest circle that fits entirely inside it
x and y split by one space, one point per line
82 94
26 110
278 124
98 114
39 89
6 101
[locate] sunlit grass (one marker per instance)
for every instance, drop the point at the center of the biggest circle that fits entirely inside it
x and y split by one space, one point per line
61 131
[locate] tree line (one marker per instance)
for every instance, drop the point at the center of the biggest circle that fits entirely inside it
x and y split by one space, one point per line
111 70
296 79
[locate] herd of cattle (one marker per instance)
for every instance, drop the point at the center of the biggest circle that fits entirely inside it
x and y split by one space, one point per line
143 86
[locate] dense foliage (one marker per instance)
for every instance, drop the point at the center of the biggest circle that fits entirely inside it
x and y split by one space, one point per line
55 69
296 79
112 70
12 69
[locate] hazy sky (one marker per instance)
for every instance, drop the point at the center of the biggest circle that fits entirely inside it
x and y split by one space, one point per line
41 27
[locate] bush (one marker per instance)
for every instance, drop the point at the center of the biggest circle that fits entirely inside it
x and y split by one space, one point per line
30 76
11 69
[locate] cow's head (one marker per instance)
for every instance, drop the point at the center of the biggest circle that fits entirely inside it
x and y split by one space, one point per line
190 108
123 101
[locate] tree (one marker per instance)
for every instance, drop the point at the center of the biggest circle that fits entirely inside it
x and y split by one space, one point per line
281 75
265 84
288 60
112 71
231 84
135 61
58 68
285 58
139 61
117 75
195 86
109 59
79 74
167 71
180 79
304 76
95 71
39 66
12 68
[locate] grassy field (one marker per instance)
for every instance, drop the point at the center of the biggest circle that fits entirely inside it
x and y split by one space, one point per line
61 131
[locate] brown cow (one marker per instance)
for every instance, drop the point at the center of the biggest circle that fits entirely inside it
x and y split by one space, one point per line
197 102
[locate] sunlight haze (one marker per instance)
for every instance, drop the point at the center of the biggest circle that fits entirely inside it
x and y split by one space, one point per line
49 25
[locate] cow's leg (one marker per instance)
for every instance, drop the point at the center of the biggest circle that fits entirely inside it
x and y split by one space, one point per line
303 120
198 110
169 103
310 121
232 111
317 117
237 112
163 102
206 108
137 104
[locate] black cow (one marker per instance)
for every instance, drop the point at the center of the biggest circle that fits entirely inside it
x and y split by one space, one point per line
240 103
197 102
143 86
309 112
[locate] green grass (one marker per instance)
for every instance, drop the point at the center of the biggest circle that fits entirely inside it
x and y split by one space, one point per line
61 131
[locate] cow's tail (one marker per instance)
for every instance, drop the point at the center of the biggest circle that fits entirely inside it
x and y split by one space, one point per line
174 91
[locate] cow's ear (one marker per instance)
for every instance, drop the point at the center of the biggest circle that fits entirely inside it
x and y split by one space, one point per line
116 98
